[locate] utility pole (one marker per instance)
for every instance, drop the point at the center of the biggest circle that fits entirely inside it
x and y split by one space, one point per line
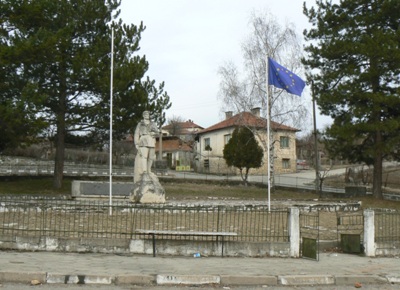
317 190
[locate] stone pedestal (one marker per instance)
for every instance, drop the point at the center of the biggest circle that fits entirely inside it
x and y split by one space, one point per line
147 190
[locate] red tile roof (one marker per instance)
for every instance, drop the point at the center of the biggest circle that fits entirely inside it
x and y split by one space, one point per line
249 120
183 125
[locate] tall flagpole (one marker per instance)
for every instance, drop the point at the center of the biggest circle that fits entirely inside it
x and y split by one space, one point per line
111 113
268 141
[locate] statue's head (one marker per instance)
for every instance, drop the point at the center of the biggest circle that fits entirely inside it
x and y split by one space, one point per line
146 116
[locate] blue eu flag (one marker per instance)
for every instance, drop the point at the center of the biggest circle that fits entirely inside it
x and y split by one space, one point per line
283 78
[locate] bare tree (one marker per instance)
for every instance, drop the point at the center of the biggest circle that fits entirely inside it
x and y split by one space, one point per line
306 148
175 125
247 89
243 90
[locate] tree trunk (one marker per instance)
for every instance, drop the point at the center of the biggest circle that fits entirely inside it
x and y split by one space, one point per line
59 156
60 136
247 176
243 176
378 167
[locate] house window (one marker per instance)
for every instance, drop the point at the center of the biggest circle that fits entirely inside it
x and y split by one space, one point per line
284 140
285 163
207 145
227 137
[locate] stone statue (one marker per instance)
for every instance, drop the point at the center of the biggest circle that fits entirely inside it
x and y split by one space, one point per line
146 187
145 144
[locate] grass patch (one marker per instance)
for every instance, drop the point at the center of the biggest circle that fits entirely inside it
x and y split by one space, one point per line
184 189
33 185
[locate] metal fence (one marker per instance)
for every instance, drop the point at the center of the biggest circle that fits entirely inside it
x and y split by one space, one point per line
387 226
71 169
92 219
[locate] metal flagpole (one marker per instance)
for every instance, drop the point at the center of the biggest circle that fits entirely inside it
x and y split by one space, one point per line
111 112
296 89
268 141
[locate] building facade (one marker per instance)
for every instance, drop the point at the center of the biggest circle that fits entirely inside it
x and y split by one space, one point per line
212 140
177 145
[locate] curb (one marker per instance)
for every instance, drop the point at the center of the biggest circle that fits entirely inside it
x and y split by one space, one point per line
196 280
249 280
298 280
135 279
364 279
79 279
393 280
188 280
24 277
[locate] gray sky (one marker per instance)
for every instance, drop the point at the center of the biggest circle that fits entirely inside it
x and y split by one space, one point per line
186 41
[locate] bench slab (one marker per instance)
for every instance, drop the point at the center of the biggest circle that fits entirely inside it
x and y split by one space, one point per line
153 233
185 233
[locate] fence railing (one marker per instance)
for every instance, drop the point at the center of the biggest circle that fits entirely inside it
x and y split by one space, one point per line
92 219
47 168
387 226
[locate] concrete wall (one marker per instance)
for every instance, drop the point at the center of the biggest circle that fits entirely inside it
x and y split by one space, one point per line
78 245
82 188
144 246
373 248
209 248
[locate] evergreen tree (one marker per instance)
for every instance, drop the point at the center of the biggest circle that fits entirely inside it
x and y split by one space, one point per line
354 61
17 126
59 56
243 151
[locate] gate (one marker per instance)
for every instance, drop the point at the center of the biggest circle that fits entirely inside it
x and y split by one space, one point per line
350 229
309 235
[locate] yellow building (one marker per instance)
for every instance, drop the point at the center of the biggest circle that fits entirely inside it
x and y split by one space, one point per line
212 140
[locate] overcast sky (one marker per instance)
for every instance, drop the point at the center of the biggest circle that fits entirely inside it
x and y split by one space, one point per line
186 41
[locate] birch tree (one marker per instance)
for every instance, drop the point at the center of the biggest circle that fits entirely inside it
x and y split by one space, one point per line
243 88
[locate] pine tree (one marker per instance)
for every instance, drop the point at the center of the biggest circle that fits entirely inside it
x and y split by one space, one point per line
60 55
243 151
354 61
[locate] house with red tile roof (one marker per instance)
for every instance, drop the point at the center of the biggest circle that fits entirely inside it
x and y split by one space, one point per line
177 144
177 153
184 130
211 142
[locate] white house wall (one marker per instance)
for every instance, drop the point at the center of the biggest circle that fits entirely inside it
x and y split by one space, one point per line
218 165
217 162
288 153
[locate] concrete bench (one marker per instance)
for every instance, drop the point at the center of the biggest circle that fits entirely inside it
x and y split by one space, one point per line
154 233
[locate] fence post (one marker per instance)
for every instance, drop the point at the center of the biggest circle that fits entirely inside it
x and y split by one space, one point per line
369 233
294 232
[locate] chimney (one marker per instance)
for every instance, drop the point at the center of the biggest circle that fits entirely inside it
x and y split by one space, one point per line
256 111
228 114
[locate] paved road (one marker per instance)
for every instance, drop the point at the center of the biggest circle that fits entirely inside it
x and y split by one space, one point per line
333 269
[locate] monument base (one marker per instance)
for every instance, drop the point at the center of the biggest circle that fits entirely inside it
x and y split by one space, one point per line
147 190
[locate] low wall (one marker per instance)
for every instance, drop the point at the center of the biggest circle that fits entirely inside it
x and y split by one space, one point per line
387 249
168 247
145 246
210 248
82 188
391 196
